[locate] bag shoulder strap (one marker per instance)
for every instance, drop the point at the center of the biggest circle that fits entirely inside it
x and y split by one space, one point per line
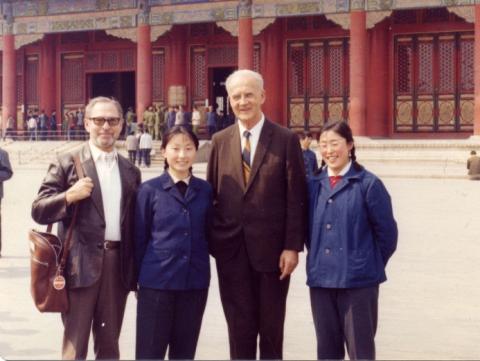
66 244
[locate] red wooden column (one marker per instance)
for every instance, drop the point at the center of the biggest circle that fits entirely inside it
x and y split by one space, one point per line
176 67
245 35
476 122
272 73
358 71
9 88
144 70
377 110
47 72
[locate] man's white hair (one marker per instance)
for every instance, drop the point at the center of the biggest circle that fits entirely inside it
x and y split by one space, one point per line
244 73
102 99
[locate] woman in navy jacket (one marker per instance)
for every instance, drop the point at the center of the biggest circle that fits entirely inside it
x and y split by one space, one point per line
352 234
171 223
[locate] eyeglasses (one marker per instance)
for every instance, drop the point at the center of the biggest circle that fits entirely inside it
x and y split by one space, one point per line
100 121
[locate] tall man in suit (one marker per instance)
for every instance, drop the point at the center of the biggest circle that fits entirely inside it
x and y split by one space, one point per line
100 267
257 173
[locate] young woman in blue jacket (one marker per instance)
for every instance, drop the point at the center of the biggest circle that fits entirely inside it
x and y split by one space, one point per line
171 222
352 234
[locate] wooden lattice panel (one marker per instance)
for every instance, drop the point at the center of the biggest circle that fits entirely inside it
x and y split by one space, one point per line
446 50
224 56
425 113
317 113
73 76
335 67
335 110
158 73
110 60
446 113
31 80
93 61
128 59
297 113
256 58
466 64
296 83
199 74
317 69
404 66
20 93
425 66
467 106
404 113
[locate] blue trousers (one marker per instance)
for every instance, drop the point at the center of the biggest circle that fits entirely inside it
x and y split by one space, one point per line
345 317
169 318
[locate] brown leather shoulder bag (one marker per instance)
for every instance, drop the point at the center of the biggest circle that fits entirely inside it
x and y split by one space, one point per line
48 257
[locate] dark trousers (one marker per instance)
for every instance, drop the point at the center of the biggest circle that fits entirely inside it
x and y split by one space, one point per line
254 304
132 155
145 156
345 316
98 308
168 318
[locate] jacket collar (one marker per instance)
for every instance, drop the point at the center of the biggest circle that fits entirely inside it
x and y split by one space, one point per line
168 185
351 176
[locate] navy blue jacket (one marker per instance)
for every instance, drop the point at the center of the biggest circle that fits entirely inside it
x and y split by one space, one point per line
171 245
352 232
310 161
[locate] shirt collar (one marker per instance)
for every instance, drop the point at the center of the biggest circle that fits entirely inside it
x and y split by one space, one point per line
257 128
342 172
97 153
176 180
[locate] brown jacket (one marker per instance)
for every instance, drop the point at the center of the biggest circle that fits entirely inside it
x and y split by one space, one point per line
269 213
84 264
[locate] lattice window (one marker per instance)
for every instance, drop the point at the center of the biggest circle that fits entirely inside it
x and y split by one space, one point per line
405 68
199 74
297 23
19 55
73 77
158 73
1 64
1 94
20 93
336 70
128 59
296 73
317 70
466 65
110 60
256 58
31 83
92 61
404 17
425 67
227 55
446 50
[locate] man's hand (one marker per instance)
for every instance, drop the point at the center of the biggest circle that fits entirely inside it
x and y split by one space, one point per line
288 262
80 190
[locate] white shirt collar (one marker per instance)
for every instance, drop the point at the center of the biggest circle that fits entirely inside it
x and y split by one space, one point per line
256 129
176 180
342 172
98 154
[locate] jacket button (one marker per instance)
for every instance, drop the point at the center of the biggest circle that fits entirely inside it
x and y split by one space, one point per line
186 234
330 200
327 250
100 245
328 226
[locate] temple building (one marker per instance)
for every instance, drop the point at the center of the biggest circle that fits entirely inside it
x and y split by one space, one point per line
392 68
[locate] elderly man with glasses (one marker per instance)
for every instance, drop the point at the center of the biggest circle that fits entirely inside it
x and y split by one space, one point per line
100 267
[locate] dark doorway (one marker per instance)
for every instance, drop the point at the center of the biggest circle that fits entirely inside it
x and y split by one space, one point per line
218 94
120 85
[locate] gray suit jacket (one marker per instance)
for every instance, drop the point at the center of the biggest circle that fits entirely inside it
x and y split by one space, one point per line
85 258
269 213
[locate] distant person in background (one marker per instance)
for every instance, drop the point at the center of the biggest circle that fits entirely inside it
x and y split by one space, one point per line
179 116
10 127
195 120
145 145
473 166
42 124
171 117
5 174
131 144
309 157
211 121
32 127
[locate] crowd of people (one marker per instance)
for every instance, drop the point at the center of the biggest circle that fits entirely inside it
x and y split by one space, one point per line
257 209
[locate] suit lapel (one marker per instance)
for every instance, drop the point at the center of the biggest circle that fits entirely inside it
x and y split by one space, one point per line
90 171
262 147
127 179
236 155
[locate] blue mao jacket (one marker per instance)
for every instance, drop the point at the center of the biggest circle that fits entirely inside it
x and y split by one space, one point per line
352 232
171 245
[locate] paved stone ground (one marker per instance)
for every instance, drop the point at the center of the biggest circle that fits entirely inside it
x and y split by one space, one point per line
429 308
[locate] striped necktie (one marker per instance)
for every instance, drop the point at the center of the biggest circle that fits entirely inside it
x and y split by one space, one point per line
246 156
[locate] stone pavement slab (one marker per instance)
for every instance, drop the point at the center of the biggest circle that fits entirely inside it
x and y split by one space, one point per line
429 308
